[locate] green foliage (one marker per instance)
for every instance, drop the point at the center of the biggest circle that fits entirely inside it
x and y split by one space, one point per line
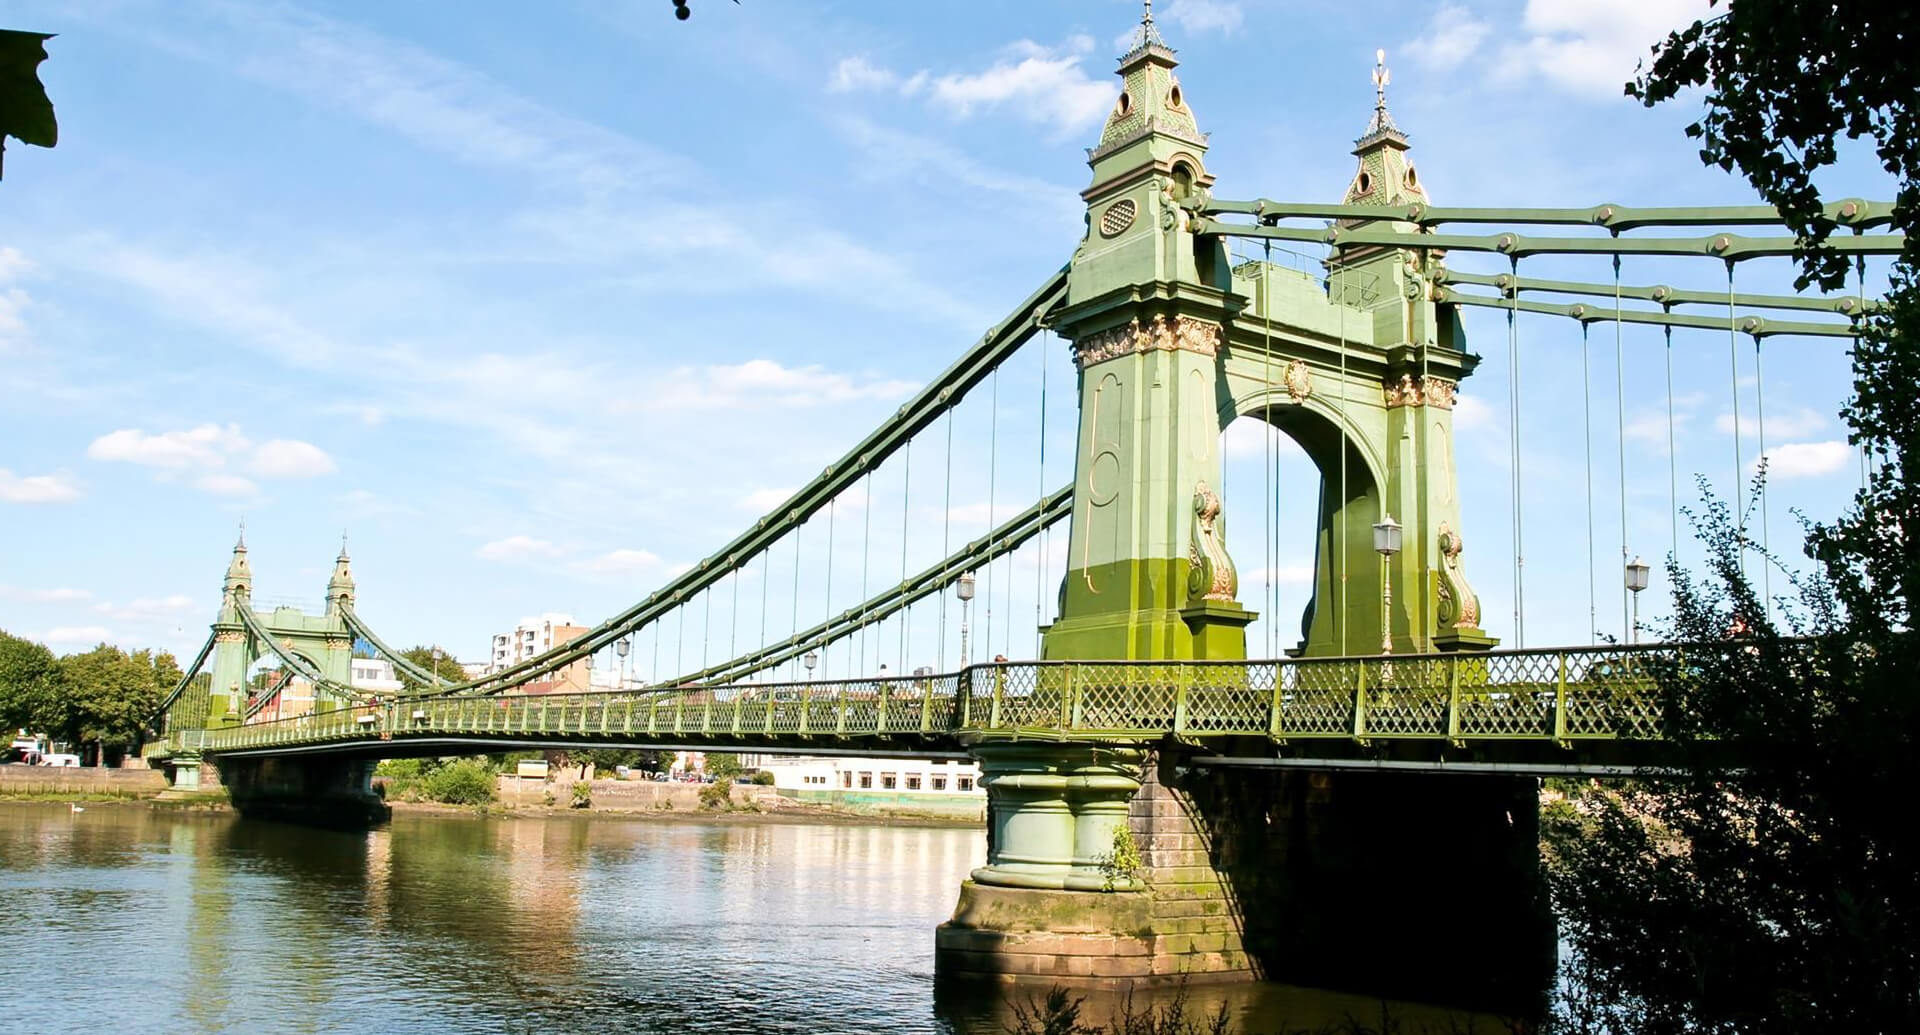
447 668
1770 887
717 796
1121 864
106 695
582 795
762 778
461 782
25 112
723 765
29 684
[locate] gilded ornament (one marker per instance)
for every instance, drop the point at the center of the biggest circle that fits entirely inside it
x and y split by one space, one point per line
1420 391
1459 606
1210 574
1181 333
1298 379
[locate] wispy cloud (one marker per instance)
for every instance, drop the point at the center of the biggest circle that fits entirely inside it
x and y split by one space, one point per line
202 455
1792 424
37 488
1197 16
1587 49
1451 37
1032 81
517 548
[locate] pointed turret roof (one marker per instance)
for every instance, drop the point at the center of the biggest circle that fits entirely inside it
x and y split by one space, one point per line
1386 176
1151 100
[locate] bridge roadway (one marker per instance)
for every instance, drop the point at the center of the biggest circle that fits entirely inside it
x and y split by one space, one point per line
1589 709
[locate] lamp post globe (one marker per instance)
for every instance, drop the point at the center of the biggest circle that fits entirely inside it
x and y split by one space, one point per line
810 660
1637 571
1386 542
963 587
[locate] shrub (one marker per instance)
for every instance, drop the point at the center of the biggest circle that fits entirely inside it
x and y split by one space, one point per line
582 795
762 779
1122 863
464 782
717 796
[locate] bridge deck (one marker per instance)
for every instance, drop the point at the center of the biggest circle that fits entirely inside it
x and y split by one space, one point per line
1543 698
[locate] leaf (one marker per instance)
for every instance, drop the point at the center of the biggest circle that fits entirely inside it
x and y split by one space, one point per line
26 114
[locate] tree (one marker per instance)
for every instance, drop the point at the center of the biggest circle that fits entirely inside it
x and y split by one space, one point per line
723 764
108 694
1773 885
29 684
25 112
445 666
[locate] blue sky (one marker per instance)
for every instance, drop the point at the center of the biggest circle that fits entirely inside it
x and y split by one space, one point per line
540 305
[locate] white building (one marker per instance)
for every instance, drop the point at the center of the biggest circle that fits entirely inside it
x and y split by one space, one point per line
375 675
904 782
531 637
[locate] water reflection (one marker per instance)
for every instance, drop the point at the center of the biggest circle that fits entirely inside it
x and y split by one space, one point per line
142 919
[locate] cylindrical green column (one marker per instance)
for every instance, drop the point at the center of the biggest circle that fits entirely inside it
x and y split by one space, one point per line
1051 812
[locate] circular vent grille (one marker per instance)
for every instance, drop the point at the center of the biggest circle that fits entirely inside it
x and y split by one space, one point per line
1117 217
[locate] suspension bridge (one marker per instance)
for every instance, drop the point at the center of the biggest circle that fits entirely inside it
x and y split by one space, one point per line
1277 800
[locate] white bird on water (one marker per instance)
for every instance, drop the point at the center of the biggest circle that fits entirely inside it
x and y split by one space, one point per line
76 807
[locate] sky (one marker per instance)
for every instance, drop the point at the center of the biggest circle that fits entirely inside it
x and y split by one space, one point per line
538 306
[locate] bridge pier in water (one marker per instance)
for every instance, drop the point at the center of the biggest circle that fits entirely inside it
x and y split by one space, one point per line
314 790
1408 886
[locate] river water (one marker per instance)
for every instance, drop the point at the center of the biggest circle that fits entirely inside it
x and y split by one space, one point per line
124 918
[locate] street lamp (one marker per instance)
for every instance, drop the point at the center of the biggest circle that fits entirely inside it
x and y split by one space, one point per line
811 659
1636 581
964 589
1386 542
623 646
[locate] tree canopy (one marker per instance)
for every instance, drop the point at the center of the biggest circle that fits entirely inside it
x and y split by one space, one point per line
1773 885
101 697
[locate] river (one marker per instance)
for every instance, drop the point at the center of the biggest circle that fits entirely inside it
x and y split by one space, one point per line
124 918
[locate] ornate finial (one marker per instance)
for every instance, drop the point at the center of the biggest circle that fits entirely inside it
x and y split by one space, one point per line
1381 127
1147 35
242 543
1381 77
343 542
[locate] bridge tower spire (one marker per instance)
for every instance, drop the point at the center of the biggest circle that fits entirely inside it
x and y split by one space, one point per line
340 586
1148 305
232 653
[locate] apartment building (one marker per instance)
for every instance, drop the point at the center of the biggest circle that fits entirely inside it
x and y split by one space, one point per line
537 635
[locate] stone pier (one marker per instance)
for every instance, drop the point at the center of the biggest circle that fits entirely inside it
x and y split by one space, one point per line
325 791
1406 886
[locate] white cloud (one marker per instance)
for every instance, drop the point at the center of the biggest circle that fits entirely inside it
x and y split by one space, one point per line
1198 16
203 453
1038 83
1450 38
857 73
1797 424
226 485
1590 49
762 382
204 446
1808 459
81 634
517 548
12 263
37 488
621 562
290 458
59 595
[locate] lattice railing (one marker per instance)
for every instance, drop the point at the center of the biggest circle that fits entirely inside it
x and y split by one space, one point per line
1564 695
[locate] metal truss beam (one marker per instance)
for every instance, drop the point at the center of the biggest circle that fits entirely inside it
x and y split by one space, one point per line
1746 323
1845 305
1852 213
400 663
1727 247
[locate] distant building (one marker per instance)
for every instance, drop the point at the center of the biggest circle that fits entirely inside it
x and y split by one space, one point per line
375 676
535 636
939 785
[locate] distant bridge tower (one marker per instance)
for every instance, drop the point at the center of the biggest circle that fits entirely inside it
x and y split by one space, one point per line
311 645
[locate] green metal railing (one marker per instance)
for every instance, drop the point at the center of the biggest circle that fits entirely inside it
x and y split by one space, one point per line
1550 696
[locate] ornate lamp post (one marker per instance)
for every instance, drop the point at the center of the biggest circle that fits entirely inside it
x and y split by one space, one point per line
810 660
1386 542
1636 581
964 589
623 646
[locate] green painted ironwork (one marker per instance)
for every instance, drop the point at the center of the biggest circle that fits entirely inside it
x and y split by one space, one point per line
1546 697
1845 305
1730 247
1853 213
1745 323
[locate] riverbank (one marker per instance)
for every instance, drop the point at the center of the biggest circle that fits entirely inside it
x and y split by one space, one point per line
822 816
79 784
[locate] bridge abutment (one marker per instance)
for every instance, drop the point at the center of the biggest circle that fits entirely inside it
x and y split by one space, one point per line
310 790
1415 886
